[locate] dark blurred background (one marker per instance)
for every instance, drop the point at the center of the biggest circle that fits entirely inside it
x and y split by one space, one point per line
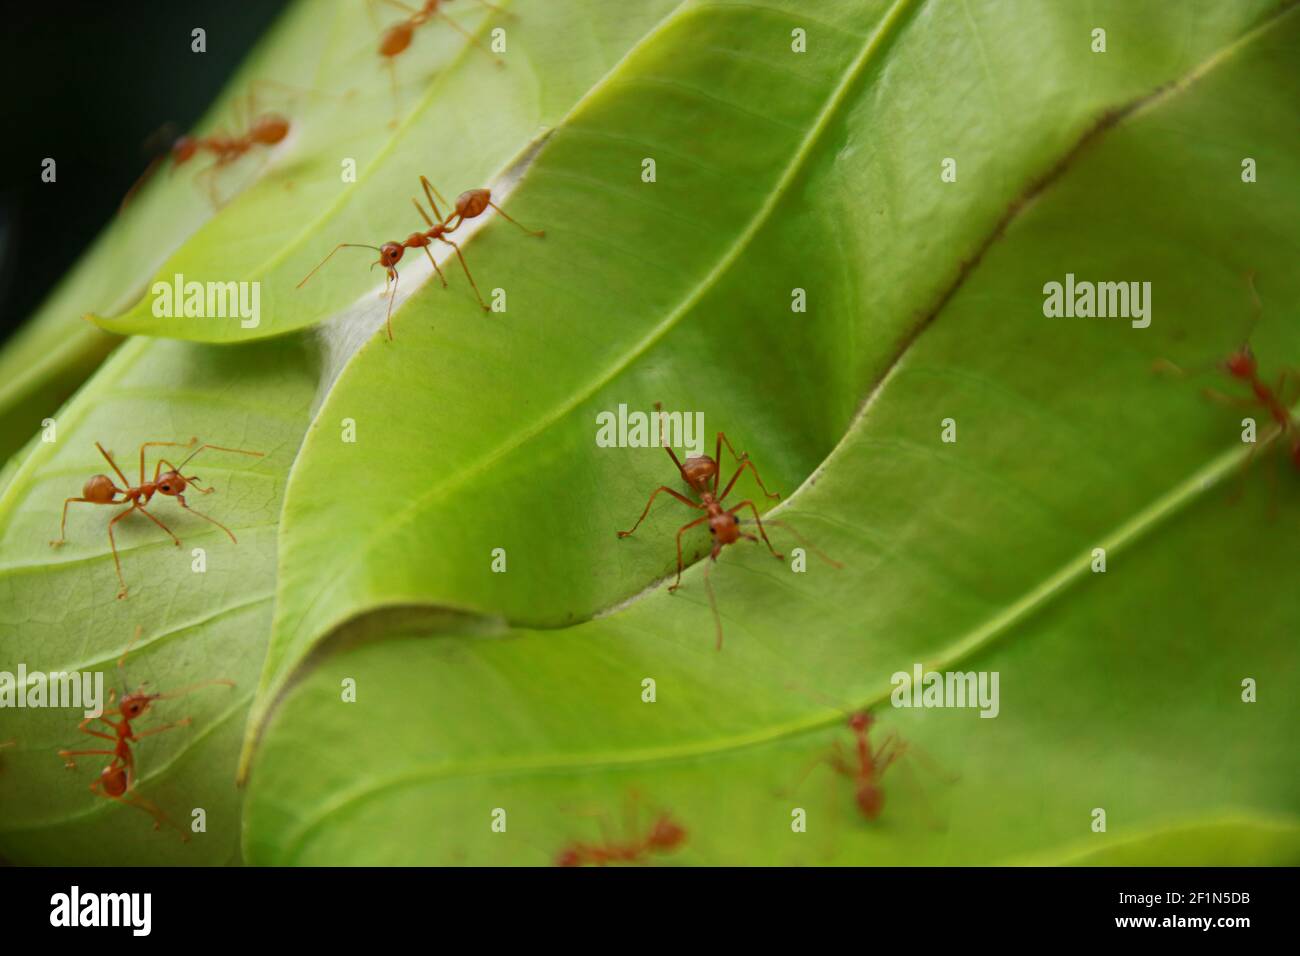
88 83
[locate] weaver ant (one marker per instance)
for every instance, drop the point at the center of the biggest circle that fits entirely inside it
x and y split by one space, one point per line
117 780
664 836
398 37
1276 400
702 474
100 490
469 205
867 764
258 129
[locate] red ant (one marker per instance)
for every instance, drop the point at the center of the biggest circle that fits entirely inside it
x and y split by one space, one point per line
262 129
664 836
869 764
724 525
469 205
398 37
1241 366
100 490
117 780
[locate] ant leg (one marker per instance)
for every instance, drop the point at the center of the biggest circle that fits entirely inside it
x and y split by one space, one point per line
804 541
157 730
713 601
469 36
495 9
158 444
539 233
680 497
388 319
430 190
63 525
159 817
680 531
233 451
158 522
180 499
72 764
434 263
110 460
744 463
112 543
744 459
467 272
209 177
1232 401
759 521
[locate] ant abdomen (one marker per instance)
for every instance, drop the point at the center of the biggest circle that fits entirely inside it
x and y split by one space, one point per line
472 202
699 470
871 800
396 39
270 129
98 489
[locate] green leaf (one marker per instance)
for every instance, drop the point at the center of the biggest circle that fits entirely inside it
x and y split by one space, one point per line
59 611
55 351
57 608
465 118
1120 690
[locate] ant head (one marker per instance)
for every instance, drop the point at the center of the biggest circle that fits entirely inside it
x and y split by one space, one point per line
1241 363
861 722
699 471
183 149
871 800
725 527
113 779
171 483
134 705
666 834
472 202
270 129
390 254
396 39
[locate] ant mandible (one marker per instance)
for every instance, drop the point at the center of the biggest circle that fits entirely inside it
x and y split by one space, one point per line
469 205
1241 366
664 836
100 490
117 780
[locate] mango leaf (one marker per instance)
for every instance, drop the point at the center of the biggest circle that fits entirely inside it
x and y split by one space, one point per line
57 608
526 692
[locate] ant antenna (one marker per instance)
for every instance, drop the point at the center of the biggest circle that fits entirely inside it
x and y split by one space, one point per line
193 687
1257 306
341 245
